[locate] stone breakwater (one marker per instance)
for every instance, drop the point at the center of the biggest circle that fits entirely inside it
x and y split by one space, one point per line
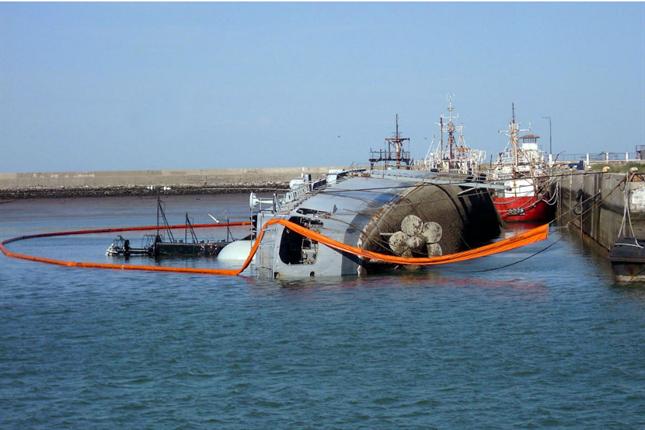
137 183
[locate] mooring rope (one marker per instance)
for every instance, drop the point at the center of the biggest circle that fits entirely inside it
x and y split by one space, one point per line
557 219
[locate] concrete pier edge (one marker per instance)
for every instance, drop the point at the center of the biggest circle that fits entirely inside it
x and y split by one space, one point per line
601 216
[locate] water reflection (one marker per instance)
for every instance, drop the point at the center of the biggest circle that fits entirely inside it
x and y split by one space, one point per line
409 280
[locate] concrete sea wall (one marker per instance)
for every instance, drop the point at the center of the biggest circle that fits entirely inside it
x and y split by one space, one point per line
594 203
66 184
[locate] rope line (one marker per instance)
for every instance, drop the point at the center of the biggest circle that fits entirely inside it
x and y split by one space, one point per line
572 210
539 251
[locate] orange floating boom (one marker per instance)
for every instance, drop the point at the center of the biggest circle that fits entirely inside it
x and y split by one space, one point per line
522 239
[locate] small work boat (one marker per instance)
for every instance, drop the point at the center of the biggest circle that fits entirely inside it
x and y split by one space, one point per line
627 258
164 243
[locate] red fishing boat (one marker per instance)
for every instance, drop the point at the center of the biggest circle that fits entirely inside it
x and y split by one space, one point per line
512 206
522 171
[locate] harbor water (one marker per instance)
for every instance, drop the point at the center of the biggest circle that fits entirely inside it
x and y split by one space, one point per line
549 342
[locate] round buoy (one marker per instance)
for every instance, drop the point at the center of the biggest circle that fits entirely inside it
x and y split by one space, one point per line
412 225
431 232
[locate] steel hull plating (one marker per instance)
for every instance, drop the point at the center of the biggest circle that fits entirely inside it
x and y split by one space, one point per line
362 211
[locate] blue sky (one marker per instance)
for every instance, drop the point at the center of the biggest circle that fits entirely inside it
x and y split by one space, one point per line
148 86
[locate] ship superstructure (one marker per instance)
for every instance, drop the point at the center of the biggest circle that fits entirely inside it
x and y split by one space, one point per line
450 154
395 154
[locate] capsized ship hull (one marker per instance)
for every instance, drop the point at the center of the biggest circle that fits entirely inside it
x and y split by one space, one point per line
364 210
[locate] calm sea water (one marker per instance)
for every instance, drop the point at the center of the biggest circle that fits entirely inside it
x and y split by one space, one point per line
550 342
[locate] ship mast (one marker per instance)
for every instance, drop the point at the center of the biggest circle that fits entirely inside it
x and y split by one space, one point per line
441 137
451 131
452 151
397 141
513 129
398 154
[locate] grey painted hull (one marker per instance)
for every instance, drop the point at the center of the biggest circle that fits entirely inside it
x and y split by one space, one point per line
362 211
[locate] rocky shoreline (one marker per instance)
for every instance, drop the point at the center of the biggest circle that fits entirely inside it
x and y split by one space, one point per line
124 191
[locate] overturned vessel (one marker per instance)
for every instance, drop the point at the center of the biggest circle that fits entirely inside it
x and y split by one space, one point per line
396 209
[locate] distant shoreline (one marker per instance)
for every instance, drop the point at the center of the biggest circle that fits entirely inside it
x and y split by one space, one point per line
8 195
37 185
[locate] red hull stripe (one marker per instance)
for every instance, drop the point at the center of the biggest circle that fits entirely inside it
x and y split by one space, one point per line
522 209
